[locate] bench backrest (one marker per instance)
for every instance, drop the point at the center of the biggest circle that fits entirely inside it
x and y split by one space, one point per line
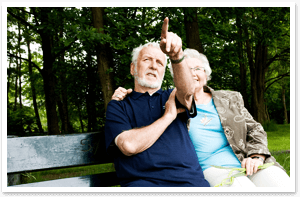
26 154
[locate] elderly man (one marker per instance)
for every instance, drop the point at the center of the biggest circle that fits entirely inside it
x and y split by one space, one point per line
146 133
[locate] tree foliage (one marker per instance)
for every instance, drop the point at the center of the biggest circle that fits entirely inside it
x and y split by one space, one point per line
85 54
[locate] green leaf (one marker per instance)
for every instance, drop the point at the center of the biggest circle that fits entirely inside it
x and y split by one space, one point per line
230 179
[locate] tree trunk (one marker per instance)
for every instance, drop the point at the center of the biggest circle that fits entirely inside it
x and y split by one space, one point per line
20 84
103 61
257 73
8 80
243 68
20 64
90 96
48 76
16 86
22 131
37 116
192 29
80 117
258 83
286 121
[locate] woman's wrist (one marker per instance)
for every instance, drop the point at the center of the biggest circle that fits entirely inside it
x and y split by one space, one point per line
258 157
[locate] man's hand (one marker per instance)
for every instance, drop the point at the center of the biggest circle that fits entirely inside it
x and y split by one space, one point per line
170 106
170 43
120 94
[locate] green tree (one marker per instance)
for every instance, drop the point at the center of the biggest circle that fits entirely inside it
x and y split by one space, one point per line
86 55
47 22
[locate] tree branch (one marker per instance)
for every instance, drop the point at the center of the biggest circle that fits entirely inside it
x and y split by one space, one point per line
35 18
23 10
24 22
65 48
279 77
34 65
271 60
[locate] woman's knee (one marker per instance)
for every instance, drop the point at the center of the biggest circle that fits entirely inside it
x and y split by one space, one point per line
272 176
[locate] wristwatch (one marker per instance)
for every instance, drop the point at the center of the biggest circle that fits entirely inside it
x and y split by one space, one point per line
256 157
177 61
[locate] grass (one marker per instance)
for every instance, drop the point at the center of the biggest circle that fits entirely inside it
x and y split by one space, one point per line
278 144
66 173
279 140
283 159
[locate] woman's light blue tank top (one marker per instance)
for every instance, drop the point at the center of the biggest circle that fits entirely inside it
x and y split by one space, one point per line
209 140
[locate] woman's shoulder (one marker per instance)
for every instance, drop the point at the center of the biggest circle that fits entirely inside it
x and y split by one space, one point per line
224 93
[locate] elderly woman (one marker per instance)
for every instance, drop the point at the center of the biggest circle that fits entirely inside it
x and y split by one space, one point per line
225 134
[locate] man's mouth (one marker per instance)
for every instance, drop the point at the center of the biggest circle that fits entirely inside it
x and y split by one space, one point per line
151 75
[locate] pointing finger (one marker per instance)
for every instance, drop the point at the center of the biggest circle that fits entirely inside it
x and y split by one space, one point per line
164 29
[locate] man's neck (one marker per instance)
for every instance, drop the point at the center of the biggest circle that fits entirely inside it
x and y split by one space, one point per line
142 89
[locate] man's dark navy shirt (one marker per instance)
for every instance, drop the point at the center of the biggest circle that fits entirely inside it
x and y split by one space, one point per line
170 161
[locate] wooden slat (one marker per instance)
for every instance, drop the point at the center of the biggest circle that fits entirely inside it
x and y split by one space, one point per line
43 152
98 180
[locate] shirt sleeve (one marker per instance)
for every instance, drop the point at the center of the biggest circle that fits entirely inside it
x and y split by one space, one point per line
117 121
256 140
189 113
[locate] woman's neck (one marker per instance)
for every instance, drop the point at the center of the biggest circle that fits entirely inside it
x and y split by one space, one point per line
202 97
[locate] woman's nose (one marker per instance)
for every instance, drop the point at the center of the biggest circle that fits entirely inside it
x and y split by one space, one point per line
193 72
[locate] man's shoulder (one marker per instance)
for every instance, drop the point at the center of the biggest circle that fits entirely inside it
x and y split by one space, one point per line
167 91
116 105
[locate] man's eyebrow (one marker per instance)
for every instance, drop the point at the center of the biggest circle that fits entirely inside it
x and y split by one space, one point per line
146 55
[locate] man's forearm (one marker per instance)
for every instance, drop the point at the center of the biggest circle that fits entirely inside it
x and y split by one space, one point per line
137 140
184 83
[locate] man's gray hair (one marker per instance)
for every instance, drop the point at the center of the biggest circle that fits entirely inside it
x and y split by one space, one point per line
136 51
192 53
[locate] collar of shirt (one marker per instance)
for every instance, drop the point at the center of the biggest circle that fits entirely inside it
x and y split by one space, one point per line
135 95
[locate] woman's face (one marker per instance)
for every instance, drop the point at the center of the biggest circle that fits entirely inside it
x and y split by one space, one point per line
198 72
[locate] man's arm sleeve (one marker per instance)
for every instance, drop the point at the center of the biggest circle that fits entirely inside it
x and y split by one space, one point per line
117 121
190 113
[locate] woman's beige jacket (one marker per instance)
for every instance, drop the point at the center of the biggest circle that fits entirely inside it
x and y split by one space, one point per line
244 134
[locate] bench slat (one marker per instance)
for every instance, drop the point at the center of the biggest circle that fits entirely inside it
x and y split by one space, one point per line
98 180
57 151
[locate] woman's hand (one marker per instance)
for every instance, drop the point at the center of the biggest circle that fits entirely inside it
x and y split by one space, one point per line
120 94
251 165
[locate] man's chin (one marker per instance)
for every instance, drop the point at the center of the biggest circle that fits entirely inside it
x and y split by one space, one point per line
150 84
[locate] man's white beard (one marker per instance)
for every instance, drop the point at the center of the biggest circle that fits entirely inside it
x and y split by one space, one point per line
143 82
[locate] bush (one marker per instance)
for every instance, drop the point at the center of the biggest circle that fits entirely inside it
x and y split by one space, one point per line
270 125
20 120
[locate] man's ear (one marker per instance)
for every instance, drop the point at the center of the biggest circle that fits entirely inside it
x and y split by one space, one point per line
132 68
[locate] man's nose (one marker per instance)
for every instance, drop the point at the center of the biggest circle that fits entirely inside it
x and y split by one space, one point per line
154 64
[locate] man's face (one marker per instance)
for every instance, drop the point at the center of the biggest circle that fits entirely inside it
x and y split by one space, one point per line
149 71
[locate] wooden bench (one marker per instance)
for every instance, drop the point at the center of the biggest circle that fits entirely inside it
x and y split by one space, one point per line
29 154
